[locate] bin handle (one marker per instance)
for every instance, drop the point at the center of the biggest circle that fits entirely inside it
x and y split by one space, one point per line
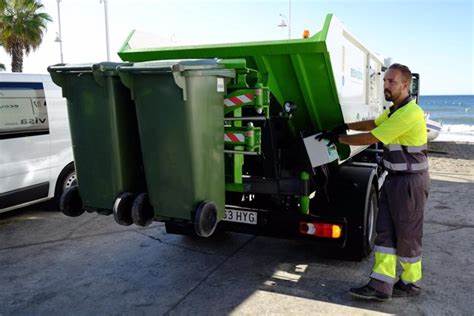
142 69
63 67
180 82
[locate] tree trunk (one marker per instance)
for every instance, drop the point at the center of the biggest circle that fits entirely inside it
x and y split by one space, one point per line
17 58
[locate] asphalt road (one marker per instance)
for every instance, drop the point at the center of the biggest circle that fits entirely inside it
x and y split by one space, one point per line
52 264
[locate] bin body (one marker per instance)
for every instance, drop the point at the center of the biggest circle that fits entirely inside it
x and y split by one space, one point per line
104 132
181 124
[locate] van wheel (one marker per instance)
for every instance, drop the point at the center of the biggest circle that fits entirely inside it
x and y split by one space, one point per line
67 179
71 203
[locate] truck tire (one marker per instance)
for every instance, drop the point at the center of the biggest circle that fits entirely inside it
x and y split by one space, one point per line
66 179
370 219
361 230
358 185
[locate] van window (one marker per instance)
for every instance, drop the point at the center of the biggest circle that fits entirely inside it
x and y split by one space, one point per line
22 110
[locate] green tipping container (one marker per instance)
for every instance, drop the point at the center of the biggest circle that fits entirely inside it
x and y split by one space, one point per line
181 124
297 71
104 132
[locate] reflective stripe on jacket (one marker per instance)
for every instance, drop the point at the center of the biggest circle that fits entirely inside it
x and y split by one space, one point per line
402 129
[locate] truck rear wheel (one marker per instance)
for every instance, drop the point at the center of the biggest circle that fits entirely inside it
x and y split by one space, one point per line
371 216
357 184
361 229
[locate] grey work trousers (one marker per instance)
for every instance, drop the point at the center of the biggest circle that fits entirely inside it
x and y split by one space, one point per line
400 218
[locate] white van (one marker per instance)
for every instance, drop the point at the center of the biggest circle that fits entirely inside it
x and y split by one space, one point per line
36 160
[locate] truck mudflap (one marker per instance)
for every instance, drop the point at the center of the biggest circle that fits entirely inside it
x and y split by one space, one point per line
283 224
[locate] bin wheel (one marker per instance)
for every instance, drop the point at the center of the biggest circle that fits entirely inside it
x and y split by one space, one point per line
70 202
122 208
142 211
205 220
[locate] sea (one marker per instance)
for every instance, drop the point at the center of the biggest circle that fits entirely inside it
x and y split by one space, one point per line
456 114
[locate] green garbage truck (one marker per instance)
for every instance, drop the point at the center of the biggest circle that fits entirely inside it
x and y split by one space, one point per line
223 137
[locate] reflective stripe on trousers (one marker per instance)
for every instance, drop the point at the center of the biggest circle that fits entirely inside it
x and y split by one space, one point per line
385 266
401 158
411 269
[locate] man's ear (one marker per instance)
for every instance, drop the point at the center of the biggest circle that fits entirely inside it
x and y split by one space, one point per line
407 84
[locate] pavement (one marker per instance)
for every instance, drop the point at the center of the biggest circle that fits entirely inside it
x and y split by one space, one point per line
51 264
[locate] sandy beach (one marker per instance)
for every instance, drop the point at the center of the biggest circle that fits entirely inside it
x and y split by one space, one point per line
452 160
451 200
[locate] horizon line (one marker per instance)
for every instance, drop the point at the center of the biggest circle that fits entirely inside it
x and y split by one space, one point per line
444 95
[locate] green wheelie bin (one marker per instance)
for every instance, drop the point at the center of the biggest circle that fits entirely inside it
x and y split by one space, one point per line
105 140
180 111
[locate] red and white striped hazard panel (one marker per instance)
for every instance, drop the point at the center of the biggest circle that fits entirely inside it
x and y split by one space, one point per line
239 99
234 137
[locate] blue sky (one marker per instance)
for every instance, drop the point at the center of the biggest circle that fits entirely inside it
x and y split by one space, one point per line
434 38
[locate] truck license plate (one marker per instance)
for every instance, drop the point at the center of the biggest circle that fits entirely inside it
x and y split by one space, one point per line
239 216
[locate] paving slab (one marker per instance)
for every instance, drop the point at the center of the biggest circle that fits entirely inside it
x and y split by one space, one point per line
51 264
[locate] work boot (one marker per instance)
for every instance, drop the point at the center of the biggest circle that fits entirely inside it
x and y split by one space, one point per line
367 292
401 289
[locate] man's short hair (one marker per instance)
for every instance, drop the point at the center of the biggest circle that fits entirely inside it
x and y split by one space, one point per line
406 73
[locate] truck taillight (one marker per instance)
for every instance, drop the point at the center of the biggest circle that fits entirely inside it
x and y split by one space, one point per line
325 230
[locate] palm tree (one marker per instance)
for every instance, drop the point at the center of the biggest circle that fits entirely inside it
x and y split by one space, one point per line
21 28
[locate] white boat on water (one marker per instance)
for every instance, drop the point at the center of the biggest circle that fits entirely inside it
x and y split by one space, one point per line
433 127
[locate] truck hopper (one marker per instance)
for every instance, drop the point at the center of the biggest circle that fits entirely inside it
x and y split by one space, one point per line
330 78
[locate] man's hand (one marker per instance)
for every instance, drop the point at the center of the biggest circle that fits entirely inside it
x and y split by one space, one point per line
329 135
333 135
340 129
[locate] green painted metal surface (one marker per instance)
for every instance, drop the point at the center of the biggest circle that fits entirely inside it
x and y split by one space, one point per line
181 125
104 132
304 200
297 70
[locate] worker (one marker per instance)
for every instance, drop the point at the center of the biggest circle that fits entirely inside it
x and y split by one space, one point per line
399 226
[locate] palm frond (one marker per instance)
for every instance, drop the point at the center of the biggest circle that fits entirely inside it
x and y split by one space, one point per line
22 25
